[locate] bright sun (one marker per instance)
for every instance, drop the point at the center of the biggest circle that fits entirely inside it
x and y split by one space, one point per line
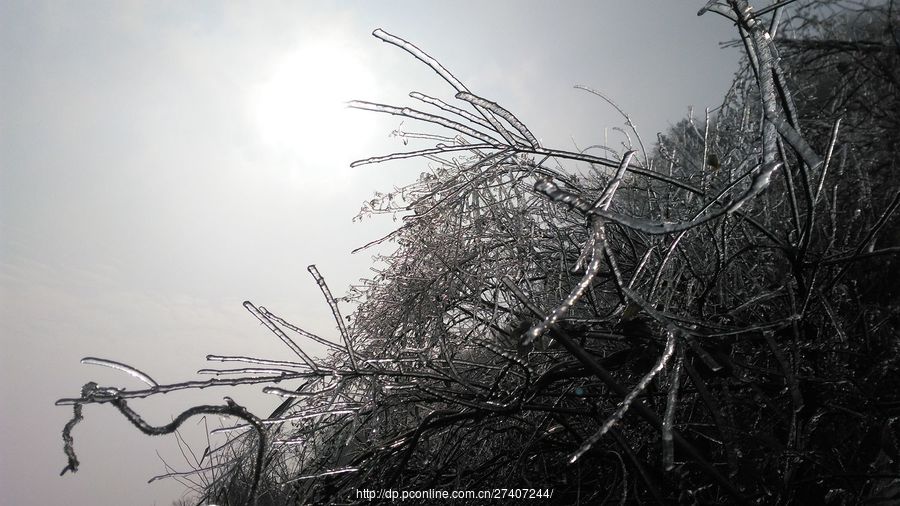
300 109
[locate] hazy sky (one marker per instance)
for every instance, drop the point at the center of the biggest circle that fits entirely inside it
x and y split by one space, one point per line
161 162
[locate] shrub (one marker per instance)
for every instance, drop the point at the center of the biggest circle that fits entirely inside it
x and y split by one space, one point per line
700 323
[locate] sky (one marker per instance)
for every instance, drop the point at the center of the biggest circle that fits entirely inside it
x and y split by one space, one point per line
161 162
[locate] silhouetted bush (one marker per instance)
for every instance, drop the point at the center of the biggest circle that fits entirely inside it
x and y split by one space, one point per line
711 322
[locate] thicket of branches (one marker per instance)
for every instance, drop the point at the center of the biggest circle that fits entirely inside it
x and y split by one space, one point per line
712 321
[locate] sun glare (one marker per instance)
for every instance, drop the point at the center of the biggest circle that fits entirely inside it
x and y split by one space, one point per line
300 108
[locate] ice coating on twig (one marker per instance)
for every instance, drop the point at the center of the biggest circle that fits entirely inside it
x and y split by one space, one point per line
423 116
336 312
440 104
444 73
668 442
326 473
440 149
596 244
280 333
246 370
421 56
127 369
630 398
758 184
621 111
503 113
253 360
304 333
